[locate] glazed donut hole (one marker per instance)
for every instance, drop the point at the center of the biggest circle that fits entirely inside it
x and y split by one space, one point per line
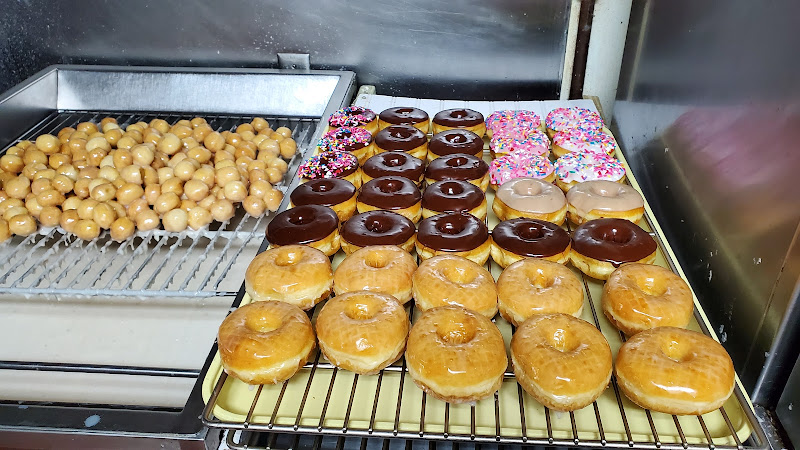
653 286
457 332
462 274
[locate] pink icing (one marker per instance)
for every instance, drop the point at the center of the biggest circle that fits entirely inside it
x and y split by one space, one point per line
528 142
518 166
344 138
591 140
499 120
562 118
351 116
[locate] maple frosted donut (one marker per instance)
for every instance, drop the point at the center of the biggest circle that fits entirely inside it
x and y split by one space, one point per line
600 199
331 165
362 332
536 286
404 115
453 280
377 228
455 141
354 116
583 140
402 138
460 167
296 274
675 371
386 269
354 140
517 165
459 234
265 342
520 238
562 361
335 193
531 198
525 142
313 225
638 297
398 164
561 119
453 196
499 121
456 355
574 168
464 118
396 194
600 246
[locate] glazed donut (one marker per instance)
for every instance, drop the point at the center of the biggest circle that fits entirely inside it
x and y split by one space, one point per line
535 286
527 142
313 225
675 371
453 280
386 269
397 164
582 140
519 238
573 168
377 228
467 119
335 193
455 141
561 361
600 246
354 116
404 115
460 234
456 355
516 165
453 196
396 194
638 297
265 342
601 199
296 274
531 198
362 331
402 138
354 140
460 167
331 165
561 119
500 121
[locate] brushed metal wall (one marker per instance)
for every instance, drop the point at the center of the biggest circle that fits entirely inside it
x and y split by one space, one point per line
411 47
708 112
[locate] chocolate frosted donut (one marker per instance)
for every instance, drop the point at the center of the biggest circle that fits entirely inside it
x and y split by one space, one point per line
455 141
461 167
397 194
534 238
404 115
393 164
334 192
459 233
459 118
453 196
599 246
402 138
377 228
307 224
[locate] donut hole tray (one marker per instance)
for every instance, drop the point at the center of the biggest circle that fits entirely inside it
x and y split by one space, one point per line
322 399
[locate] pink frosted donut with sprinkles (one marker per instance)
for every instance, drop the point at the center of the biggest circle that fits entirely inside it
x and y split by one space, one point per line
525 142
355 116
574 168
520 166
560 119
509 118
581 140
331 165
357 141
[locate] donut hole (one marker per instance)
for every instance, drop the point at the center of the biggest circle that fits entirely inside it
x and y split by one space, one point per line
403 111
459 114
676 351
400 133
394 160
452 188
652 286
562 340
286 258
390 186
297 217
459 275
361 309
343 133
529 232
456 332
449 228
457 161
262 323
617 235
377 226
604 191
376 260
323 186
456 138
540 280
527 190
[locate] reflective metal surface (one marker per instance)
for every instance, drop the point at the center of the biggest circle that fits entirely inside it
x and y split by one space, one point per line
788 408
708 114
414 47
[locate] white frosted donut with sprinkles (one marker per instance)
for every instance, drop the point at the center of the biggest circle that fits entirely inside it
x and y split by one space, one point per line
526 142
355 116
515 165
560 119
509 118
582 140
574 168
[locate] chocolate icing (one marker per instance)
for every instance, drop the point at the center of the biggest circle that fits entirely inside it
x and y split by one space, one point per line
455 141
325 192
403 115
377 228
389 193
302 225
530 237
394 163
452 196
614 240
452 232
400 138
458 166
458 117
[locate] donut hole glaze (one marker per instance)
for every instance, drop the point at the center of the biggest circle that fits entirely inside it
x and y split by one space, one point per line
455 138
457 332
262 323
450 227
389 186
459 275
362 309
404 111
286 258
459 113
400 133
529 232
617 235
323 186
376 260
607 192
563 341
527 189
452 188
378 225
540 280
395 160
676 351
457 162
652 286
301 217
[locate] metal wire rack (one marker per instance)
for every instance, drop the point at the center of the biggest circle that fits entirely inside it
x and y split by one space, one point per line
149 264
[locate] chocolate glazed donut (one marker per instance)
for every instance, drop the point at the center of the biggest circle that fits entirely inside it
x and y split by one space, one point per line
400 138
389 193
394 164
324 192
530 237
452 196
403 115
458 118
458 166
302 225
613 240
452 232
455 141
377 228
